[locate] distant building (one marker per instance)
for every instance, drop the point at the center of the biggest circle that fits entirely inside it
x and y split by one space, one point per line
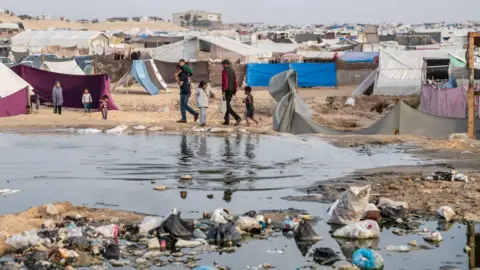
44 17
197 18
118 19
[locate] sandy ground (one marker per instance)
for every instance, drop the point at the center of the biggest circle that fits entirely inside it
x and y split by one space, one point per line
101 26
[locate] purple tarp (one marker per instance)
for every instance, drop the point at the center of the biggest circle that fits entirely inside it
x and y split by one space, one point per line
447 102
72 85
14 104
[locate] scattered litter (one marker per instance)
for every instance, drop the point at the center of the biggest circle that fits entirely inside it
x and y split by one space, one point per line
467 249
433 237
175 227
305 232
110 231
220 216
243 130
446 212
367 259
186 177
458 176
161 188
8 191
200 129
221 130
156 128
248 224
349 208
367 229
149 224
275 251
350 102
199 234
117 129
89 131
26 239
153 244
412 243
139 127
289 224
466 152
224 234
384 203
190 244
325 256
398 248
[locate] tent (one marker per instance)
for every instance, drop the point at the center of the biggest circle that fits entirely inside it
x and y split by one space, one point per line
65 67
141 75
73 86
14 93
292 115
400 72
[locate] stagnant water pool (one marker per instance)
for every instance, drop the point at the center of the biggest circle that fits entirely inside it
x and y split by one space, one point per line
116 171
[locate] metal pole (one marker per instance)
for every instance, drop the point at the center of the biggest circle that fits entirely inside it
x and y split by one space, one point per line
471 85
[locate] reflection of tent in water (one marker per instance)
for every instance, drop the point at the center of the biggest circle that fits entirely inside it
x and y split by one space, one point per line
292 115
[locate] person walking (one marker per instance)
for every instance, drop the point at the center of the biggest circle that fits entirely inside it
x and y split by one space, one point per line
229 89
57 98
182 76
202 97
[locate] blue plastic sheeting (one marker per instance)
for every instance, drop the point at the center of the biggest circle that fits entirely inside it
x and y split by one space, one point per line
359 57
140 73
260 74
315 74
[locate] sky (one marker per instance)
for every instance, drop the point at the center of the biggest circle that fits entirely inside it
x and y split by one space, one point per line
304 12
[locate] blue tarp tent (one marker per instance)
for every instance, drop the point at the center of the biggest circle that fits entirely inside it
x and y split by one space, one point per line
359 57
260 74
315 74
140 73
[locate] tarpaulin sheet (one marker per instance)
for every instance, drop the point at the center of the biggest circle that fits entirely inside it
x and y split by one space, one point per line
446 102
359 57
115 69
292 115
66 67
85 63
315 74
14 104
260 74
140 73
72 86
155 75
167 70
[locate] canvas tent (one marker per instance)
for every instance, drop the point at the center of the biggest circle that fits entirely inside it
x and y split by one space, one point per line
292 115
14 93
400 73
145 72
64 67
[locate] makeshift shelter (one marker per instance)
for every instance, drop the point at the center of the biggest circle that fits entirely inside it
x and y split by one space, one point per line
35 41
14 93
292 115
146 73
167 70
73 86
400 73
64 67
115 70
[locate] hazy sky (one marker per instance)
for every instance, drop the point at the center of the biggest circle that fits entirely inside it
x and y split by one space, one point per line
268 11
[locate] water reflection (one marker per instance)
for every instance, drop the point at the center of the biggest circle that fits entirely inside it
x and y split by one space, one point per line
186 153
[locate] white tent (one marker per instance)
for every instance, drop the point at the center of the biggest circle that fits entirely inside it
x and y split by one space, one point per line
400 72
11 82
67 67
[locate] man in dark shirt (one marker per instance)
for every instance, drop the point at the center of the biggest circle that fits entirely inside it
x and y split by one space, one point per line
182 76
229 89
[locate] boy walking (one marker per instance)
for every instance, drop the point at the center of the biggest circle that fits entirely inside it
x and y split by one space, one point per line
249 108
87 101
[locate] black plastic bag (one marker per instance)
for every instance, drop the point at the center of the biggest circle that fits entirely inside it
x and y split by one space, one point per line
175 227
305 232
112 252
393 213
325 256
224 233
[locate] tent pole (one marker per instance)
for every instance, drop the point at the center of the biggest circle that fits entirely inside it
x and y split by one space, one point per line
471 85
93 65
396 130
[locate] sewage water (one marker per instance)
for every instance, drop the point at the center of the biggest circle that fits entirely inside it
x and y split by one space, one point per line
116 171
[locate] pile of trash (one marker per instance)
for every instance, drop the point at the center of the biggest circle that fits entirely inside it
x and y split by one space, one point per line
76 241
451 175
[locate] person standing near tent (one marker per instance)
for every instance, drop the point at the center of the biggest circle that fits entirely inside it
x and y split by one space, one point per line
202 97
229 89
57 98
87 100
182 76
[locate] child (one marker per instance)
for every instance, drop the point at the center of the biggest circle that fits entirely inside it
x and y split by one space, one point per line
87 100
202 96
249 112
104 107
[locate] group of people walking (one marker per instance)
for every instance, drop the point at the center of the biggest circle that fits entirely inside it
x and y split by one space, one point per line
203 94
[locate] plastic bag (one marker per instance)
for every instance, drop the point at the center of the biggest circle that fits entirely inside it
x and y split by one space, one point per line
433 237
384 203
367 259
72 230
175 227
220 216
446 212
24 240
350 102
350 206
110 231
325 256
190 244
222 107
199 234
288 224
248 224
149 223
117 129
305 232
394 213
398 248
366 229
224 233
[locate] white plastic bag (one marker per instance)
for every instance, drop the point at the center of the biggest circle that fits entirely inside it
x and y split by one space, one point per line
350 206
350 102
149 223
220 216
247 224
446 212
117 129
433 237
222 107
110 231
367 229
24 240
190 244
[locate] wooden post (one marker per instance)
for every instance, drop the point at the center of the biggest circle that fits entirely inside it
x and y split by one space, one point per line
471 244
43 59
471 85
